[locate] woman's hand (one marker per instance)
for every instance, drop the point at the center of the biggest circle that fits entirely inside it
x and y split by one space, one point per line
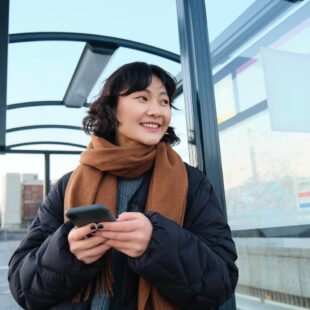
130 234
85 245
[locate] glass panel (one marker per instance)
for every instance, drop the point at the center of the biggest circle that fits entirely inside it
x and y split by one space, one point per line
149 22
21 193
62 164
225 98
21 189
221 14
178 122
247 76
39 71
246 68
264 170
265 146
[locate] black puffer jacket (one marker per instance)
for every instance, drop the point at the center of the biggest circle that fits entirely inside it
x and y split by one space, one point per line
193 266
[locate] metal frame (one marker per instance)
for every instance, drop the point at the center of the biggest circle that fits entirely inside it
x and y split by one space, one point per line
4 39
241 116
47 173
198 89
199 96
248 24
31 127
297 231
96 46
33 104
97 51
231 67
9 147
54 152
96 40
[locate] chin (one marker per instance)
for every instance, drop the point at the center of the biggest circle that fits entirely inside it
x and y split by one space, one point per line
151 142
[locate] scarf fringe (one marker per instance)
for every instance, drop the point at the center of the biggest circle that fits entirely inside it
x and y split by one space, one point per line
104 280
107 277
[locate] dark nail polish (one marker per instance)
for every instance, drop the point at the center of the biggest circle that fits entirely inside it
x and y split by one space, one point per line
100 226
93 227
91 234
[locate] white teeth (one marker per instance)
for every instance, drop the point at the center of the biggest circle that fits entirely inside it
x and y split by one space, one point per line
151 125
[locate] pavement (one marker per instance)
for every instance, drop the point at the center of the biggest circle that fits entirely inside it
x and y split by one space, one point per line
7 248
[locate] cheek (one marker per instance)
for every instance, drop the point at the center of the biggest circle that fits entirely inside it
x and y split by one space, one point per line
117 113
168 118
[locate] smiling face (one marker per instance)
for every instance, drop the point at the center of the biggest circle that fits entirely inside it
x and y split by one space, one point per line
144 115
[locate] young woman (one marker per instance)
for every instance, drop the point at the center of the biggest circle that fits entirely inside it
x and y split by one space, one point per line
170 248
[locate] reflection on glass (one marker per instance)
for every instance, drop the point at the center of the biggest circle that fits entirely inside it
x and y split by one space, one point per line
216 10
266 164
250 83
225 99
265 173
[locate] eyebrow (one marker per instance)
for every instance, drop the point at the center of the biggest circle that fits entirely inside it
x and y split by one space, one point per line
163 93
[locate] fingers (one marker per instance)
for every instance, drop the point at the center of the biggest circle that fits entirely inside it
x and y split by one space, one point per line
130 234
93 254
87 249
79 233
128 216
126 222
133 248
137 234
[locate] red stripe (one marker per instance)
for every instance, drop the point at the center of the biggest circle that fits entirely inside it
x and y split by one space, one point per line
304 194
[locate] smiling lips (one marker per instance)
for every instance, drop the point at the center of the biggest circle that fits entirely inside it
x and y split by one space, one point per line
150 125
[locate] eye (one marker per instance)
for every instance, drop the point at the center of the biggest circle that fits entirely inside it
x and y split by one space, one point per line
141 98
165 102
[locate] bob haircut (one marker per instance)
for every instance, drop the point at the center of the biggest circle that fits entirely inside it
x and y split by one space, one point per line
129 78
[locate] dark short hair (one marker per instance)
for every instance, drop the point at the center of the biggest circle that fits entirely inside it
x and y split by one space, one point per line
129 78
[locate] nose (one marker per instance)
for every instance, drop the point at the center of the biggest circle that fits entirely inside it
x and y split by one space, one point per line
154 109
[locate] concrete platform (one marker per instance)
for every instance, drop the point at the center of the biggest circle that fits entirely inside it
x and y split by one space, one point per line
6 249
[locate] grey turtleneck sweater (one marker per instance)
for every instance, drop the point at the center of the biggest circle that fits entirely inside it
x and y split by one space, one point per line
125 190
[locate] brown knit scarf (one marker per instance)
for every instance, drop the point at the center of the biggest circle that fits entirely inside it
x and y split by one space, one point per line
95 181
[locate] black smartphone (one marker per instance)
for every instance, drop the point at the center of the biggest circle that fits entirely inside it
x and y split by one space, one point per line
84 215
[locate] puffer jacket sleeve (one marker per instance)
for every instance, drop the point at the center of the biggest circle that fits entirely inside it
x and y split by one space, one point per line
42 271
193 266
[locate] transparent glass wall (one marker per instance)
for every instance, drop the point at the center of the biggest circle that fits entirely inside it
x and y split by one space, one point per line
22 188
262 96
178 122
21 193
61 165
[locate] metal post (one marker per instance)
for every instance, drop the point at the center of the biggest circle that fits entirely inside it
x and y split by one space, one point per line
4 41
47 182
198 89
199 95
